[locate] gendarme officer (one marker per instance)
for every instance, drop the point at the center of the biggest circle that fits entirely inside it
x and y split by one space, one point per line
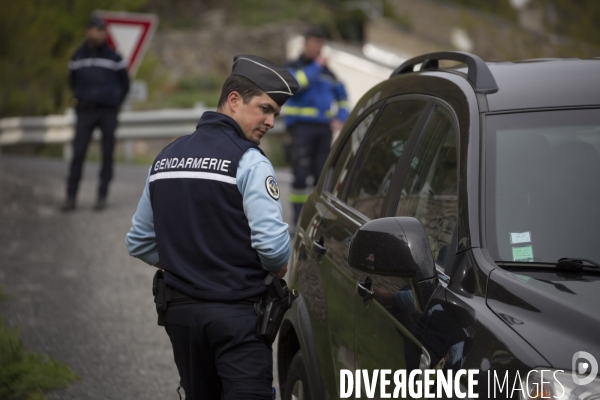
211 217
100 82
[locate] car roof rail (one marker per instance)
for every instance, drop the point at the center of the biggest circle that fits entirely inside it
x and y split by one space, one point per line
478 73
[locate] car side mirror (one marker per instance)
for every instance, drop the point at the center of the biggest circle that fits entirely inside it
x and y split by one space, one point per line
396 246
393 246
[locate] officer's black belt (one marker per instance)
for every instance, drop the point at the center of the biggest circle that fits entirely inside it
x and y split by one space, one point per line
178 298
166 296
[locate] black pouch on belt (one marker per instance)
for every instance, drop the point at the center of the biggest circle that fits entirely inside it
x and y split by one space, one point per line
161 295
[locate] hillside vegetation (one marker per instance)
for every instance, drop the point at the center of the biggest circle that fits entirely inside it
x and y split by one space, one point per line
37 37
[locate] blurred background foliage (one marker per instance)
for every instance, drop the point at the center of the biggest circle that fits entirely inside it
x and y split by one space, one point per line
575 19
502 8
37 38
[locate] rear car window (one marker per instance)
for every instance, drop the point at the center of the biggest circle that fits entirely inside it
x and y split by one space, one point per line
346 155
430 190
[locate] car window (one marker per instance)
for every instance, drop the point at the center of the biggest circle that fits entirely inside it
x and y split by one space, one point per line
347 153
430 190
382 148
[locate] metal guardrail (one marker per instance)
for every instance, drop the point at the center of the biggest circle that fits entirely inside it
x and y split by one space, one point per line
358 71
59 129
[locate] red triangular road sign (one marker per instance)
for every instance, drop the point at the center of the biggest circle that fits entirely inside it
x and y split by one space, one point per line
129 34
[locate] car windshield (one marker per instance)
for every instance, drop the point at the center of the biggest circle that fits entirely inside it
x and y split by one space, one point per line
542 186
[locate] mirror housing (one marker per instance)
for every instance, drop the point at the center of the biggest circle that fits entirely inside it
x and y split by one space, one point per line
396 246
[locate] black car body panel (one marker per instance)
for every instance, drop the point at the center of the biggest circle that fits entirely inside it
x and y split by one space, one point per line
554 311
298 334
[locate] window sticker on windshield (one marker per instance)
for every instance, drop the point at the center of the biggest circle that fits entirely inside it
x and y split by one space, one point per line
521 237
523 253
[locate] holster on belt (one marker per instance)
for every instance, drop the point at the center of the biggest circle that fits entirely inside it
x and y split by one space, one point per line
274 304
162 294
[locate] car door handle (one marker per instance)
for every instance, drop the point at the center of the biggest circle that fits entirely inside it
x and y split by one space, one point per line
365 290
319 247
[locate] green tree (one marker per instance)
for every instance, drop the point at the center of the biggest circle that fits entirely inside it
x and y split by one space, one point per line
499 7
37 38
577 20
574 19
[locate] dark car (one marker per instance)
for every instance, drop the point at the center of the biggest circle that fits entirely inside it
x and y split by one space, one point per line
456 226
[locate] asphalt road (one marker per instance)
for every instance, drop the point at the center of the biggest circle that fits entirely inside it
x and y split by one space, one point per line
75 293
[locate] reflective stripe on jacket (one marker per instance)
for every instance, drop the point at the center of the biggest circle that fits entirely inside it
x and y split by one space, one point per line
98 76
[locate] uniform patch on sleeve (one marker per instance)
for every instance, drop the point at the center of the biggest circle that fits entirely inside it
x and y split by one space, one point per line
272 187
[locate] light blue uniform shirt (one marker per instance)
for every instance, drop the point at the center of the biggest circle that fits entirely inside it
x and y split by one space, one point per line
269 234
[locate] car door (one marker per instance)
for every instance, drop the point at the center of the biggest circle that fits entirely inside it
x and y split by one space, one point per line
356 192
318 260
331 288
389 319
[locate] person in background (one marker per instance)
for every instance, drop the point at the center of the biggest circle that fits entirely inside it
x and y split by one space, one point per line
99 81
317 110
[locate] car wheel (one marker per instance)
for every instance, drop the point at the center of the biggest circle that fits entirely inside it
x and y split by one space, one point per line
296 384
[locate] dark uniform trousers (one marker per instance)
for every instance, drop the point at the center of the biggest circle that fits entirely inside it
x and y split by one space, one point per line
87 120
312 142
217 352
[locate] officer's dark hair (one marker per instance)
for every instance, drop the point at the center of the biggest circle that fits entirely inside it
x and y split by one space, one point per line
236 83
315 31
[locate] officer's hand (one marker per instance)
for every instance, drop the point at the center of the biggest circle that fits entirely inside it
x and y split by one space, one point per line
321 60
336 125
282 272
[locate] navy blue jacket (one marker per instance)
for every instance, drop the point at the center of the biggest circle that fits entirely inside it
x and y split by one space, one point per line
98 76
203 236
321 96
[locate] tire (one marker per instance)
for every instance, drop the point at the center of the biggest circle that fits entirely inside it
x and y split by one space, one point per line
296 385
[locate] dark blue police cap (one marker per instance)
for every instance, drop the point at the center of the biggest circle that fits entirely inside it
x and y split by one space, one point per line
271 78
315 31
97 22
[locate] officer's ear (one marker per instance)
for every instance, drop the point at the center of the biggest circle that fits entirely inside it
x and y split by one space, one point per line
234 100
